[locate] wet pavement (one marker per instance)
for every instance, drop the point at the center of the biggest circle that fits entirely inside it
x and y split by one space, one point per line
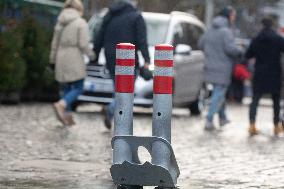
37 153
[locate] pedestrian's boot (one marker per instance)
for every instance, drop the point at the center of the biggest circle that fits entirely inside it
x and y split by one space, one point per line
68 119
59 109
107 120
209 126
277 129
252 130
224 122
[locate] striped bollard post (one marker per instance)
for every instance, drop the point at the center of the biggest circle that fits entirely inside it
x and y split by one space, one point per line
162 105
124 88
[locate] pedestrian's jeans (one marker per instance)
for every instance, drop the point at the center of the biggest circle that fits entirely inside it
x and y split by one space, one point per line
217 104
70 92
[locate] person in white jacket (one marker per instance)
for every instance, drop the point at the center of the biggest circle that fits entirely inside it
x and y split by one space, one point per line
70 42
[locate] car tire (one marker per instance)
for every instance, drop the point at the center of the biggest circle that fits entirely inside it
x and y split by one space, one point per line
197 106
195 109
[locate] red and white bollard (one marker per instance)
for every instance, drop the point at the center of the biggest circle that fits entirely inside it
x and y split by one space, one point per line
161 125
127 171
124 88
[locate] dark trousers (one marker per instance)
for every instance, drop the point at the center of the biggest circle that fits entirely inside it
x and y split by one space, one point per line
276 107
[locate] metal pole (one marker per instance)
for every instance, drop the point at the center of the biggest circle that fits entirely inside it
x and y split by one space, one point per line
86 7
163 78
124 88
94 7
209 12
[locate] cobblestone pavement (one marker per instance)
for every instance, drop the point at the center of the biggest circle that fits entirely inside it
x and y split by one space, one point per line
37 153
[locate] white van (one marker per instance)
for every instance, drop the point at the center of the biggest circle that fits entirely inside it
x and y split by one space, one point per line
182 30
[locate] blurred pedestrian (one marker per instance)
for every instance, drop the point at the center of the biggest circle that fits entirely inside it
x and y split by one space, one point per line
266 48
220 50
70 42
241 76
123 23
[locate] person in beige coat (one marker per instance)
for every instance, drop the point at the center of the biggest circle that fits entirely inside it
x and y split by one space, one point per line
70 42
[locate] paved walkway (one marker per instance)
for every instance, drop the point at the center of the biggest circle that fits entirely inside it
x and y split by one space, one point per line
35 152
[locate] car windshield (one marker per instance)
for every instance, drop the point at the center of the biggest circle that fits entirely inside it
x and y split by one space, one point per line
157 29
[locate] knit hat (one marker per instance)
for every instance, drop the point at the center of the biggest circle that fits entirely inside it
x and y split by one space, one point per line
226 11
267 21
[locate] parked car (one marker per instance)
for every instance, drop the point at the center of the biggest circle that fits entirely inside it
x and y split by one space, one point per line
182 30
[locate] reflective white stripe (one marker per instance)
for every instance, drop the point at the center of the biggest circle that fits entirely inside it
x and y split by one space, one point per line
164 55
163 71
124 70
125 54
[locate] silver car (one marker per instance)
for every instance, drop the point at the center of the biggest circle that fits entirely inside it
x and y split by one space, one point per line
182 30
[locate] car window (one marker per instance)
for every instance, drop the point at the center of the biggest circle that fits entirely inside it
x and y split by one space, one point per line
95 23
192 33
156 30
95 26
179 35
195 33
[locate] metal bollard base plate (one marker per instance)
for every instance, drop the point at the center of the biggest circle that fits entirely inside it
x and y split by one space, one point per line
147 174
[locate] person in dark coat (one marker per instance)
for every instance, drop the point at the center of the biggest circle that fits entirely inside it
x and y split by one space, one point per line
123 23
266 48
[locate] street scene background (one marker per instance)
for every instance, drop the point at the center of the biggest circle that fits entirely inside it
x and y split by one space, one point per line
37 152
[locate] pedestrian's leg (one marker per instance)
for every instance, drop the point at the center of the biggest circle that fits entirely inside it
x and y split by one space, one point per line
253 112
60 106
217 98
276 109
223 120
282 119
222 115
64 90
70 98
76 88
108 111
217 101
253 107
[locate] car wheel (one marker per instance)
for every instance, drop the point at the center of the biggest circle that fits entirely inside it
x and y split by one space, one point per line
194 109
198 106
